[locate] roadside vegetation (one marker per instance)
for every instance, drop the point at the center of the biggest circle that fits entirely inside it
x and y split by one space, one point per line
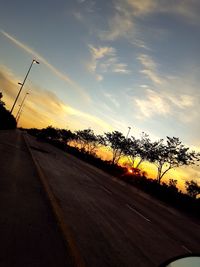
7 121
164 154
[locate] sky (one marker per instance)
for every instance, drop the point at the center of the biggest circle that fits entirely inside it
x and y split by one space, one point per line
105 64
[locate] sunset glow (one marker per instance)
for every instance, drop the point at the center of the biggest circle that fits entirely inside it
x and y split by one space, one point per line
106 65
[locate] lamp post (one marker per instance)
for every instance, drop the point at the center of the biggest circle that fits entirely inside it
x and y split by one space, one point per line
17 119
22 84
21 106
129 128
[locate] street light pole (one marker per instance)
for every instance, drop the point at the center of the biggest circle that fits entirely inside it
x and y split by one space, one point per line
17 119
22 85
21 105
129 128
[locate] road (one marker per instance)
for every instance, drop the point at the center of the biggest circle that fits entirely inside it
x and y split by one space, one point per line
29 235
113 224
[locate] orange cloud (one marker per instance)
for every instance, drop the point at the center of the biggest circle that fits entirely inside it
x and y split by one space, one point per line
57 72
43 108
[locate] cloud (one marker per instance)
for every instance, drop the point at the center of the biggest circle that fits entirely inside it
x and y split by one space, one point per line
99 77
88 5
126 14
101 52
120 25
8 84
43 107
87 119
150 69
140 43
121 68
183 101
40 106
144 86
142 7
163 104
147 61
97 54
154 104
112 99
187 9
104 60
78 15
58 73
152 75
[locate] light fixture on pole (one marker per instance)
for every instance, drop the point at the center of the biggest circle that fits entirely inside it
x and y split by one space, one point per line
22 84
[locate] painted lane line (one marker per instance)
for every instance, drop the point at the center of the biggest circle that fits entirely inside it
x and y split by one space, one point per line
106 190
138 213
66 231
187 249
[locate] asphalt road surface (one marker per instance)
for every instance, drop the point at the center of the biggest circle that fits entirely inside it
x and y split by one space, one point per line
112 223
29 235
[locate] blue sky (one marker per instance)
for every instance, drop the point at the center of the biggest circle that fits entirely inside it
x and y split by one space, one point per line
105 64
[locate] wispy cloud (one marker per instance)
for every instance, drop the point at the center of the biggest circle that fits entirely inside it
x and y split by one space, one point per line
124 21
87 119
121 68
141 44
147 61
44 107
112 99
144 7
8 83
150 69
105 60
58 73
186 9
101 52
97 54
154 104
163 104
120 25
183 101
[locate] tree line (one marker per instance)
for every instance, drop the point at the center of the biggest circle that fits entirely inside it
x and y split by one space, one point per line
164 154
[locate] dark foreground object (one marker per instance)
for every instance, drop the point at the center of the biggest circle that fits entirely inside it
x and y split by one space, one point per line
29 235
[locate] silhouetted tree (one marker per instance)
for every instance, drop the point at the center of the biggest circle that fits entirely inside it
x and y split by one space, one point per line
171 155
34 131
88 141
66 135
172 185
115 141
1 102
192 188
130 149
172 182
49 133
7 120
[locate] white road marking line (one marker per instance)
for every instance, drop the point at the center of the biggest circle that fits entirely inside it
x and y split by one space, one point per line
106 190
137 212
118 181
187 249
